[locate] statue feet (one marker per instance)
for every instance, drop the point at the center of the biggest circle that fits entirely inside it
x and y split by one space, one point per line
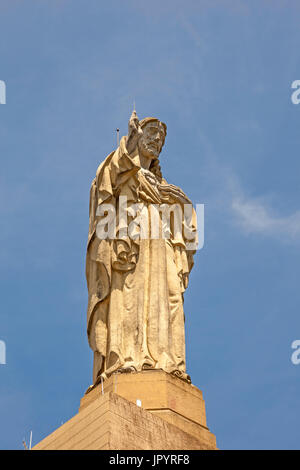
181 375
148 365
126 370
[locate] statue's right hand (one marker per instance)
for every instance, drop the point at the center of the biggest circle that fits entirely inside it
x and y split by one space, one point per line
133 123
134 132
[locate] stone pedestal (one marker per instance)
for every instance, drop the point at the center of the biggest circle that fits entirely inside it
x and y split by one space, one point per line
143 410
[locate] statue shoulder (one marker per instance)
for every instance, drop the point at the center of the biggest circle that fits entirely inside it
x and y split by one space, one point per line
104 163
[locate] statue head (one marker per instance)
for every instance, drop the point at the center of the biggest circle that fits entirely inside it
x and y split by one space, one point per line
153 137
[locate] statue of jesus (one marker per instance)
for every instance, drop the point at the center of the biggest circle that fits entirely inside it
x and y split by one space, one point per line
135 318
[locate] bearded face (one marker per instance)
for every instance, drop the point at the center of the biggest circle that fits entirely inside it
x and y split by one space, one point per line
152 140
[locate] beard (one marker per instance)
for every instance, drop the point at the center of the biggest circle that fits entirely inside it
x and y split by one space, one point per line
149 149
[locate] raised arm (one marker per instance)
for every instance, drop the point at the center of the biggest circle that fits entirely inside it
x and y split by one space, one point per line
134 132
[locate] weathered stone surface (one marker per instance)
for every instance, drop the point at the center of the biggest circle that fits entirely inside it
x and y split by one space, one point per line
157 391
111 422
136 281
171 416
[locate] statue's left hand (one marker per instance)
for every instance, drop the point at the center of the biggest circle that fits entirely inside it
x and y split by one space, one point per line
173 193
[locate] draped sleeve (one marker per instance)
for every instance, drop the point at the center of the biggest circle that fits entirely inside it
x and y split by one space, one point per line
111 178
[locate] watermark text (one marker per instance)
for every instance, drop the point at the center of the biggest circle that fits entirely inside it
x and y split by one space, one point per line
138 221
295 357
2 352
2 92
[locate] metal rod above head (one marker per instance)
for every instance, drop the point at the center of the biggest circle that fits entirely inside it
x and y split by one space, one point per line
118 137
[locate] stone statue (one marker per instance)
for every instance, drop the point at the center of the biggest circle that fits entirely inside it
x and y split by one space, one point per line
135 317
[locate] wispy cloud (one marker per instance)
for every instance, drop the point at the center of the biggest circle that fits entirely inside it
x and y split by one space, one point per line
258 214
255 216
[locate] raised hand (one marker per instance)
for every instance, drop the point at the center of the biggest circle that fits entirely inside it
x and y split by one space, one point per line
134 132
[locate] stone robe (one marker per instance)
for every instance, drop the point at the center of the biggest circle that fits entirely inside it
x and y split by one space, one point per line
135 317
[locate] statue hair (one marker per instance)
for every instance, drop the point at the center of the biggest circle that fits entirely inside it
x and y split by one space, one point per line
155 164
155 169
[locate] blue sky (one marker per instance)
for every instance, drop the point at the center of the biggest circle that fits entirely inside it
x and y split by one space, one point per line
219 74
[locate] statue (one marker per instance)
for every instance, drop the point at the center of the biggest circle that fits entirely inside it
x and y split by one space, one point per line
135 318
